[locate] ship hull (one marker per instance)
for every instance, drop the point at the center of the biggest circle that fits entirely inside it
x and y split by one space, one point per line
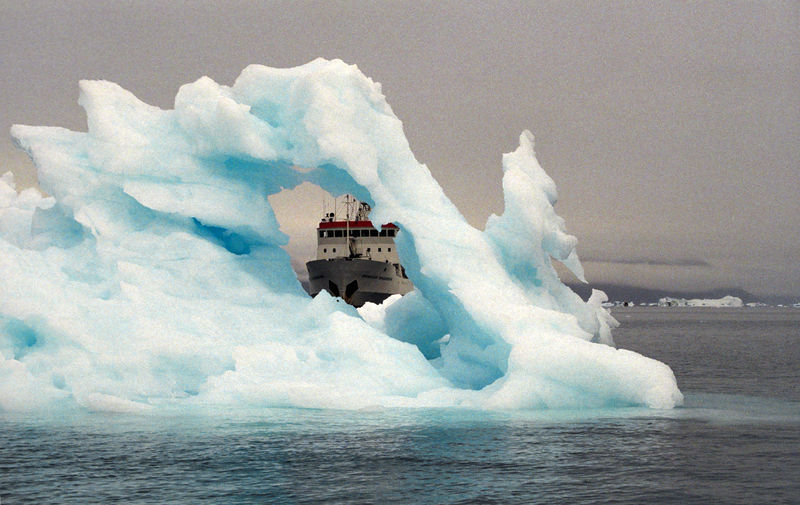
357 280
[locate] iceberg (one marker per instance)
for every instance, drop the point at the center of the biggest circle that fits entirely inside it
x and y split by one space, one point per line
153 275
725 301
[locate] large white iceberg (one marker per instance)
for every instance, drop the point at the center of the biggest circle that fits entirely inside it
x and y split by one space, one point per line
154 274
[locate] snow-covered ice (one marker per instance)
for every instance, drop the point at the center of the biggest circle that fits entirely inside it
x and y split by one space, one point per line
154 274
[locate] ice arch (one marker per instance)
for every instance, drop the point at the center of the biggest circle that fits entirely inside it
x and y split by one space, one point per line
169 211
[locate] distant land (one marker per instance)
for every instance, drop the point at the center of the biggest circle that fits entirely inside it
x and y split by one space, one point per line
623 293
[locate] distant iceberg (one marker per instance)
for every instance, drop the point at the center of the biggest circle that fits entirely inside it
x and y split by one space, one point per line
154 275
725 301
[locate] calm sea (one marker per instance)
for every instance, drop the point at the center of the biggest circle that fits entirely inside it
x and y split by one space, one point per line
737 440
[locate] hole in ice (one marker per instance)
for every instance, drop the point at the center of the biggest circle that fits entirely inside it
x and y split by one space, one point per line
298 211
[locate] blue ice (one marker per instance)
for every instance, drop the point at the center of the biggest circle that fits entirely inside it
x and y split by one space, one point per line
153 274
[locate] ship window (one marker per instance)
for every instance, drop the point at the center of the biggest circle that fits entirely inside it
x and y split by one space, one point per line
321 234
334 249
391 233
369 249
373 233
325 250
379 249
389 249
383 233
338 233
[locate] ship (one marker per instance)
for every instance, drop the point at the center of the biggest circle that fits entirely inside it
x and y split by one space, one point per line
355 260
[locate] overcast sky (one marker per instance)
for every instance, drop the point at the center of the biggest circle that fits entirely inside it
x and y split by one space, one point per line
671 129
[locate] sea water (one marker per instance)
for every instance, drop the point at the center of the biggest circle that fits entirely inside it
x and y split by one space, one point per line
736 439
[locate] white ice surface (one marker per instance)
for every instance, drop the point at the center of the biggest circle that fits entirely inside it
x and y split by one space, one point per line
154 274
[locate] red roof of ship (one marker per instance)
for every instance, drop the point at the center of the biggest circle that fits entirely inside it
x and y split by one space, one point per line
353 224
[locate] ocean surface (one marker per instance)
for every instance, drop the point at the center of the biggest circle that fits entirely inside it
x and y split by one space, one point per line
737 439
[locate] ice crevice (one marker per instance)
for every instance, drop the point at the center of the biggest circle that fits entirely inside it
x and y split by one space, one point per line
156 273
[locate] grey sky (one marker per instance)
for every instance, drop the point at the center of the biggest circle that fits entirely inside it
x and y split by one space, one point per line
671 129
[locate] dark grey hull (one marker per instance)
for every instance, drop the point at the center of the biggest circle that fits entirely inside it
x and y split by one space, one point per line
357 280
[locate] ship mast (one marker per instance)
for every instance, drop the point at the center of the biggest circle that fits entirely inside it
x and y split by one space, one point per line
350 242
347 214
